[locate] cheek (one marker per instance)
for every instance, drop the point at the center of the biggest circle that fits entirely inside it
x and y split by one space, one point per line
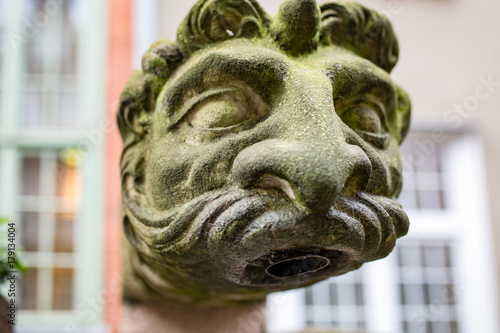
178 172
392 159
166 172
396 170
386 170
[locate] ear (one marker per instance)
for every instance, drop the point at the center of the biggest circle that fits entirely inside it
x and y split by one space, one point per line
138 99
403 106
133 116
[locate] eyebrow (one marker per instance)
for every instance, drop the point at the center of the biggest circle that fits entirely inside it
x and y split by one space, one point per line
348 82
264 73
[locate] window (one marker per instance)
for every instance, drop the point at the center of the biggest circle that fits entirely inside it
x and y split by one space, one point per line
50 169
426 287
48 204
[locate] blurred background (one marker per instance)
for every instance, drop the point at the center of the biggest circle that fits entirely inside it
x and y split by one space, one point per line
63 64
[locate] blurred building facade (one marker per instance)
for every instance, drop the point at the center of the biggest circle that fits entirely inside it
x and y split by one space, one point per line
54 127
52 93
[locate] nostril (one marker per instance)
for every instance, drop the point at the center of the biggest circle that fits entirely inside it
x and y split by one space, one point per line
270 181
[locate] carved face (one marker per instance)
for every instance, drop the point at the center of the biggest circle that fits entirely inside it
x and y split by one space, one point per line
258 170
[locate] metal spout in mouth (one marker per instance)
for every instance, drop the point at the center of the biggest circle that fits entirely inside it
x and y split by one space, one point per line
297 266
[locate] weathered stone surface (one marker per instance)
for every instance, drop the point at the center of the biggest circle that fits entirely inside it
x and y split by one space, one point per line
261 154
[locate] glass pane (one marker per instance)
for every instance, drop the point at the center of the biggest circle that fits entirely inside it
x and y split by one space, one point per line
347 295
430 199
30 176
412 294
32 109
67 116
62 292
409 256
441 327
436 256
320 293
29 231
334 297
28 288
408 198
64 232
67 180
35 49
308 296
430 163
428 181
69 59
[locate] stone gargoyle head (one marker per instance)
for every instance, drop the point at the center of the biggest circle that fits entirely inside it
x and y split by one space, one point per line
261 154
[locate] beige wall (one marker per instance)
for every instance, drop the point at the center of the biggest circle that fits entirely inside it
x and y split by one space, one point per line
446 46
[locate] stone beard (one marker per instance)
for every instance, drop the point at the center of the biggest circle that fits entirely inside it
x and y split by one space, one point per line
261 154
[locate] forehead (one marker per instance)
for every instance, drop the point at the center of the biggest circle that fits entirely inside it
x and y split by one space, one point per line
242 55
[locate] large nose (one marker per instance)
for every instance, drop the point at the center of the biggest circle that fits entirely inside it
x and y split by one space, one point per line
305 153
311 172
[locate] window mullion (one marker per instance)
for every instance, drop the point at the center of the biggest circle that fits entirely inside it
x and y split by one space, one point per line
52 70
46 230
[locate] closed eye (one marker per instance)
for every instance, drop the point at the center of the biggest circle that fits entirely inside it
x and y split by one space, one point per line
221 110
363 118
367 120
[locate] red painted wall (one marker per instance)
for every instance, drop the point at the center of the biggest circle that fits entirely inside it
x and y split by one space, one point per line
119 65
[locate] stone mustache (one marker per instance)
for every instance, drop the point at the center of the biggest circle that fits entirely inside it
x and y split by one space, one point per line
261 154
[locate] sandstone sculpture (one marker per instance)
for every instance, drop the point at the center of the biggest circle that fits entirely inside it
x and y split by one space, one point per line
261 154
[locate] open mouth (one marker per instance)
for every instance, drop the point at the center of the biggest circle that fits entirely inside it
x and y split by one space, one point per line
293 265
